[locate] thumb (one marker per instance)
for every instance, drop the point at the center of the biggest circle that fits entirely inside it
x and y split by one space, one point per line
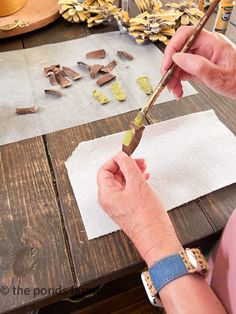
128 167
203 69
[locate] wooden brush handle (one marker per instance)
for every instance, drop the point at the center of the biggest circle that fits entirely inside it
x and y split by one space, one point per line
168 75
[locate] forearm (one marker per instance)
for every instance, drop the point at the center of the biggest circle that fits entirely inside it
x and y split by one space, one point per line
190 294
187 294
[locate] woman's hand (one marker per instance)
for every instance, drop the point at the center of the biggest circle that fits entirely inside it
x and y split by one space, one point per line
130 201
211 60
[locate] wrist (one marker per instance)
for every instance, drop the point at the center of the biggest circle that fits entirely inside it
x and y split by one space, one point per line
154 245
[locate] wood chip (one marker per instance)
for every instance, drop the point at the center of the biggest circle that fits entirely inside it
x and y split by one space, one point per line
105 79
125 55
84 65
52 79
47 71
61 80
28 110
96 54
71 74
94 69
109 67
54 92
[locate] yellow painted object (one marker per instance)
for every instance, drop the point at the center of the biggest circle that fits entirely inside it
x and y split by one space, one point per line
118 92
8 7
223 16
145 85
100 97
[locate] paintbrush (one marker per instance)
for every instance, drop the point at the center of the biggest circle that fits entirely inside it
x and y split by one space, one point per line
134 134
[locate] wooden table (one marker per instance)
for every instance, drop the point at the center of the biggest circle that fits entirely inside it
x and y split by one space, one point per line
43 241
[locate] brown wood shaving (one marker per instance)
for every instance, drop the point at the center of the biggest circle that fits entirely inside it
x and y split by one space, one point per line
28 110
96 54
109 67
47 71
105 79
71 74
94 69
52 79
53 92
84 65
125 55
61 80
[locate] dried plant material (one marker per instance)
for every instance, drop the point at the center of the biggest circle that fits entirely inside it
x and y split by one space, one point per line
105 79
28 110
94 69
100 97
73 11
61 79
109 67
83 65
52 79
47 71
96 54
145 85
185 13
118 92
148 5
53 92
71 74
158 25
125 55
95 12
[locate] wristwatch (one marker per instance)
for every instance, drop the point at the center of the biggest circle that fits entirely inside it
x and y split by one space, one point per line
185 262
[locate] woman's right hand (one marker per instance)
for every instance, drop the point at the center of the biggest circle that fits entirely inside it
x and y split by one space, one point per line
211 60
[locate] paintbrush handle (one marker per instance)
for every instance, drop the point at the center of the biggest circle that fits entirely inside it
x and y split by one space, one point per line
169 74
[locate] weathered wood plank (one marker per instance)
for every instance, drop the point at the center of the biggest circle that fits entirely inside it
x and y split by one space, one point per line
216 206
33 252
9 44
112 255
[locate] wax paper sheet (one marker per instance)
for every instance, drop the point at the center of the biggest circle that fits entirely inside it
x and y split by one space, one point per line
187 157
22 84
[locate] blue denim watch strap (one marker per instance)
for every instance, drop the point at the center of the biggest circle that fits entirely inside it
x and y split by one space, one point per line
166 270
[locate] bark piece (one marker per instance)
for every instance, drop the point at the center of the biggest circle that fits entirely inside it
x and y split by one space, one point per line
71 74
125 55
96 54
109 67
54 92
28 110
52 79
84 65
61 80
94 69
105 79
47 71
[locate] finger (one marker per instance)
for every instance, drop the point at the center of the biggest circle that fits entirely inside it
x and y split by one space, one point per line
106 172
201 68
128 167
175 45
179 39
141 164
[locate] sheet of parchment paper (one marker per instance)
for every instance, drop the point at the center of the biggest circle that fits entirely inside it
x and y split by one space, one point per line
22 84
187 157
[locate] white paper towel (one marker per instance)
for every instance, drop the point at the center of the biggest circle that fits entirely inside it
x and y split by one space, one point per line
22 84
187 157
